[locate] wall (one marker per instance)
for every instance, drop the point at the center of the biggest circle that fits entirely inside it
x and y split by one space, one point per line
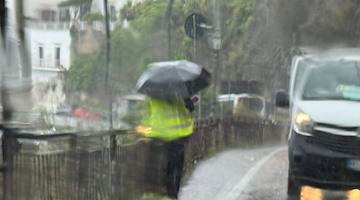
33 7
49 40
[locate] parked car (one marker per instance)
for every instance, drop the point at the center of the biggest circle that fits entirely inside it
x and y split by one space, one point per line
89 114
64 109
324 135
235 104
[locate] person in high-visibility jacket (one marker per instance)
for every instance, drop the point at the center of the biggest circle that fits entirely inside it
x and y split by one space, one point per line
167 120
171 122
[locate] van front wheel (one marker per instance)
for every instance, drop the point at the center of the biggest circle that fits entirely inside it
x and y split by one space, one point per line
293 188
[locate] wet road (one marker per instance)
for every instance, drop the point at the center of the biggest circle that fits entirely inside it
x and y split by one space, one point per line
250 174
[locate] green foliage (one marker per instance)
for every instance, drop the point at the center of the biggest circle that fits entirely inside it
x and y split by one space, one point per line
71 3
129 56
241 15
79 7
183 48
91 17
132 48
149 15
84 73
345 17
126 12
152 196
199 6
127 60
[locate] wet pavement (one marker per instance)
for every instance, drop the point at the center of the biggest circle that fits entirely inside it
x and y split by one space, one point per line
239 174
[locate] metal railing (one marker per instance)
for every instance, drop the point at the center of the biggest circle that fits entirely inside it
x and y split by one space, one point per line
110 165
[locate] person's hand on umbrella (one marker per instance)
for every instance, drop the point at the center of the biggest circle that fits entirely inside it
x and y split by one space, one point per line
142 130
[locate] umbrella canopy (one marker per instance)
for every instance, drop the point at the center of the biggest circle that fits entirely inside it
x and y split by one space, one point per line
173 79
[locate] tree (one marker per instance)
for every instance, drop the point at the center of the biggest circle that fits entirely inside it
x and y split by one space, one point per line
79 7
91 17
129 55
143 42
84 74
126 12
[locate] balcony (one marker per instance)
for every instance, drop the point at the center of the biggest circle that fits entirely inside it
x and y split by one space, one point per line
82 25
96 26
49 25
45 74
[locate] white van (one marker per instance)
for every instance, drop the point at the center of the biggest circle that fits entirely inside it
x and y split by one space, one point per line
324 103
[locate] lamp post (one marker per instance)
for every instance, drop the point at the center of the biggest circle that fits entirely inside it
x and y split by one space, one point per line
215 40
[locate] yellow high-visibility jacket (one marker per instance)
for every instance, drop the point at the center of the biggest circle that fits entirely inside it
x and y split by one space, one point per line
166 119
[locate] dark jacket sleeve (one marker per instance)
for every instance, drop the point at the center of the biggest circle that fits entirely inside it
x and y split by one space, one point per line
189 104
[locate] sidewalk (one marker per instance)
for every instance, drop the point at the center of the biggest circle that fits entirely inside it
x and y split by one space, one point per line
239 171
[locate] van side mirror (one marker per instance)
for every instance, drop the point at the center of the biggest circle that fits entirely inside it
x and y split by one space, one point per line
282 99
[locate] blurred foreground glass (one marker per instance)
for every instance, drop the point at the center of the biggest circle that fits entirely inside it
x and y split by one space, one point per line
16 70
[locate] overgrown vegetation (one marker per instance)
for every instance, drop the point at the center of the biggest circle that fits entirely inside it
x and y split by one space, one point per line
145 41
257 40
91 17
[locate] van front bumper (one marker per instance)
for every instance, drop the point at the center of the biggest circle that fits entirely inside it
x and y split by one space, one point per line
315 164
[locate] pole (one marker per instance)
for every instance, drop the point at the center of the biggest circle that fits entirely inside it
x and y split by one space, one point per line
194 52
107 62
25 61
216 47
215 72
6 175
2 21
194 35
199 107
112 144
168 17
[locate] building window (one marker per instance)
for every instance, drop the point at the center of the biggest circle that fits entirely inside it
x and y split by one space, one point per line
48 15
112 13
41 56
64 15
57 56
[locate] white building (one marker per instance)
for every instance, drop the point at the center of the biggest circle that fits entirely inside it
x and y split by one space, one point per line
49 38
49 45
49 42
114 5
46 10
49 52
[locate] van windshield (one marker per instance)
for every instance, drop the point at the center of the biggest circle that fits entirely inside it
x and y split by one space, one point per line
333 81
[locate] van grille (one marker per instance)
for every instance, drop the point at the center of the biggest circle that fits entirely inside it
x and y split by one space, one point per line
337 143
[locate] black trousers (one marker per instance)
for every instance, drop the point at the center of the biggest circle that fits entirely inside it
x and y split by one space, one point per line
174 155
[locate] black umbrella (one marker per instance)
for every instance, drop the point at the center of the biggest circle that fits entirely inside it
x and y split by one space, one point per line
173 79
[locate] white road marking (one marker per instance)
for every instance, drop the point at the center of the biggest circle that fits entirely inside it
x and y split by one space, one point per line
233 190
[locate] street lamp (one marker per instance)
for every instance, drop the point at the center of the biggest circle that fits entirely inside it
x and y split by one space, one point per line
215 40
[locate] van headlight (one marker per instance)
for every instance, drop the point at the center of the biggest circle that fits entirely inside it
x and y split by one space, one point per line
303 124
